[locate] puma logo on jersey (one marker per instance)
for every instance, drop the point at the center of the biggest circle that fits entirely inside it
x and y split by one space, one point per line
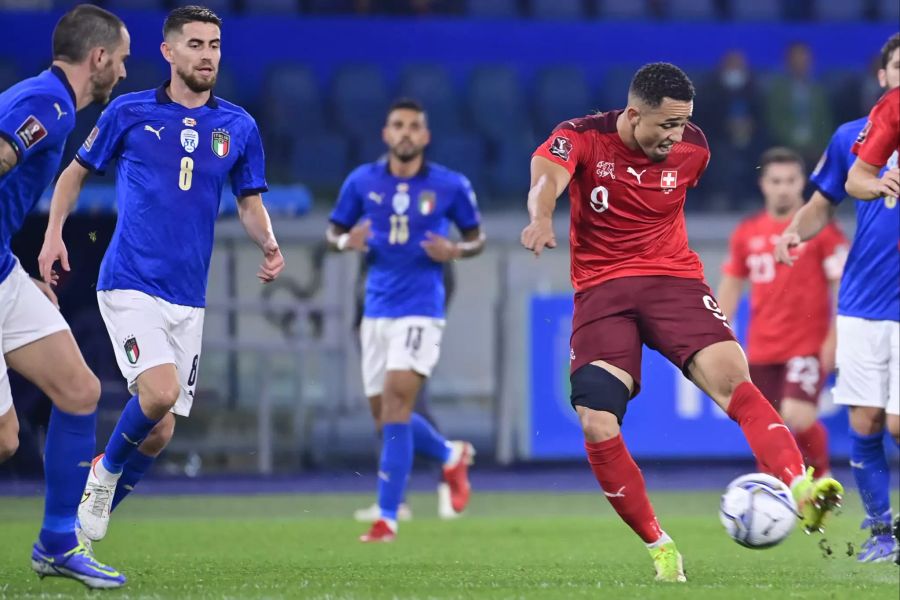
60 113
155 131
631 171
376 198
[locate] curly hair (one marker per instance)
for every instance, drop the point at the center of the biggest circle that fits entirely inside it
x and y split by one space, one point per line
659 80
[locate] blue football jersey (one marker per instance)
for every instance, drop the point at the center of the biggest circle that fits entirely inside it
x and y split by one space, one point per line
36 117
869 286
402 280
172 163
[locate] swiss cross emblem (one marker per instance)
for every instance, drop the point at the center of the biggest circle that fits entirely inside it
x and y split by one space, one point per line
669 180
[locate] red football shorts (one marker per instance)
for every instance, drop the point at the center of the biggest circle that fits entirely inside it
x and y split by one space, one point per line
675 316
800 378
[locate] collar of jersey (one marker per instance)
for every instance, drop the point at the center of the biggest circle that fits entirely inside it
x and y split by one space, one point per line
163 98
422 172
65 81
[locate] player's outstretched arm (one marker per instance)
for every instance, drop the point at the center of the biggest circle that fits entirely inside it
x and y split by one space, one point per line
548 180
8 157
65 196
729 294
255 219
863 181
809 221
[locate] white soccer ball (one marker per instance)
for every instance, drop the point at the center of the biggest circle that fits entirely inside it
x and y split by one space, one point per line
758 510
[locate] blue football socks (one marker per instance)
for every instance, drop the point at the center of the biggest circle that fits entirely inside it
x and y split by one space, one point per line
870 469
393 471
427 441
132 473
130 431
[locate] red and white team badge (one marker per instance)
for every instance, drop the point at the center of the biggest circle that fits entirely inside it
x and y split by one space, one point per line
31 132
668 181
221 143
606 169
561 147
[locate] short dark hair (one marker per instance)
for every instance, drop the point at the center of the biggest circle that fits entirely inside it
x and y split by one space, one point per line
889 46
183 15
780 155
659 80
405 104
83 28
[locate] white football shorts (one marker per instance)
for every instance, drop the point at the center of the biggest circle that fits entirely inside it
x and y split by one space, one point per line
401 344
868 364
26 315
147 331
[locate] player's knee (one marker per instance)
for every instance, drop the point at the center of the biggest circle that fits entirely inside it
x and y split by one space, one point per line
605 397
396 405
798 415
866 420
893 425
79 395
160 396
159 437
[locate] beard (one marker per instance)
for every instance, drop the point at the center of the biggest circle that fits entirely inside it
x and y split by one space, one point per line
194 83
102 83
407 154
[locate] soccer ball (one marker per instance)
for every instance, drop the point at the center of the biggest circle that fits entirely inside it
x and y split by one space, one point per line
758 510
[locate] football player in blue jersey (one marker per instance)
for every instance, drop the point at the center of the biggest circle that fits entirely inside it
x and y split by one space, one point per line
176 147
398 211
90 46
868 322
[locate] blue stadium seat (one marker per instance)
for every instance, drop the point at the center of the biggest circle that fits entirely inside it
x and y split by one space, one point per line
756 10
330 7
492 9
839 10
622 9
368 149
496 103
320 161
115 5
463 152
142 75
431 85
889 10
510 172
220 7
691 10
227 86
560 93
614 92
9 74
291 102
360 100
283 7
558 10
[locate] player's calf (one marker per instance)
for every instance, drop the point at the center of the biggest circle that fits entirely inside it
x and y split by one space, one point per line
159 437
9 435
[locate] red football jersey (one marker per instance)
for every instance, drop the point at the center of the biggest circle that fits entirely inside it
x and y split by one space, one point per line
881 136
790 307
627 212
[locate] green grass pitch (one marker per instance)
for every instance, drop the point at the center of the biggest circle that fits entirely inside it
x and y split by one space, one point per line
510 546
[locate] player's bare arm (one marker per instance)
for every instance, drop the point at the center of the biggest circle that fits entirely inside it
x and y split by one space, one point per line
863 181
357 238
255 219
441 249
8 157
807 223
548 180
65 196
729 294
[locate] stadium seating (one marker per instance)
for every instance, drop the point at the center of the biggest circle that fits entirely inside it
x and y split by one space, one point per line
496 104
115 5
889 11
621 9
510 172
272 6
463 152
492 9
320 161
360 99
220 7
756 10
143 75
691 10
559 93
839 10
431 85
557 10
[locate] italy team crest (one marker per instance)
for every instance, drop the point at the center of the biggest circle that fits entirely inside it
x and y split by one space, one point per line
221 142
132 350
427 202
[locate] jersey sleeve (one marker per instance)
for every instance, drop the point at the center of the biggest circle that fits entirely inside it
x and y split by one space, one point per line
831 171
248 175
349 206
736 262
35 122
565 147
464 209
881 136
833 251
103 142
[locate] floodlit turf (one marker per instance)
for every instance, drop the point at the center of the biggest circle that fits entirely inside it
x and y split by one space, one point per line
557 546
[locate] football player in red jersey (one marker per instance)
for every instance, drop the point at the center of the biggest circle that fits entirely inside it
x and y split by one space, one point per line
792 335
637 281
877 143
